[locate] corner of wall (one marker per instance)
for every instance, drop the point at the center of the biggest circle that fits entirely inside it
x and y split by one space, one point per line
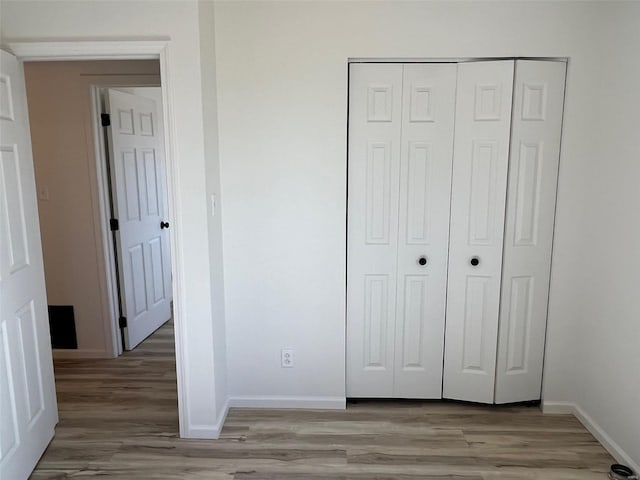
209 432
592 349
206 25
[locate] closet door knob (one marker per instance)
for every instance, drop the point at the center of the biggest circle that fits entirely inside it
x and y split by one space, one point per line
164 225
422 261
475 261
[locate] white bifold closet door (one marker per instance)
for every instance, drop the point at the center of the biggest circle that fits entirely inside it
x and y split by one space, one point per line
531 202
400 153
481 158
451 204
497 309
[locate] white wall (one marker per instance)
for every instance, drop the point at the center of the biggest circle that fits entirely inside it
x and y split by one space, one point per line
282 86
282 96
178 20
59 95
607 246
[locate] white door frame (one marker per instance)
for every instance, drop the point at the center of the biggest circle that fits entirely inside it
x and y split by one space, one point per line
138 50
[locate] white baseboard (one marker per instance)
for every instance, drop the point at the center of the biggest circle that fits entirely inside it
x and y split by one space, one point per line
261 401
269 401
203 432
210 432
64 354
607 442
558 408
569 408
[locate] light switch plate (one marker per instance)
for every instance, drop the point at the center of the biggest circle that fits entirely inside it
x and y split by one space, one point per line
43 194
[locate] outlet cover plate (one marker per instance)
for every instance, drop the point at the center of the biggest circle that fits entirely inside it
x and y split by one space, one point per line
286 358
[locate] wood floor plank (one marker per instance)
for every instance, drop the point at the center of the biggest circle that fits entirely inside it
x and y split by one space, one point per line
119 420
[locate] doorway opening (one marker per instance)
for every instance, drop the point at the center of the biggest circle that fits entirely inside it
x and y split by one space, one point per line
102 198
97 132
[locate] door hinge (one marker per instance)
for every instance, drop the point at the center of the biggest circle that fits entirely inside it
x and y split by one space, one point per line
105 119
114 225
122 322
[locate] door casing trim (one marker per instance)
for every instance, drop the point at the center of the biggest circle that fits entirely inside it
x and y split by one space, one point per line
156 48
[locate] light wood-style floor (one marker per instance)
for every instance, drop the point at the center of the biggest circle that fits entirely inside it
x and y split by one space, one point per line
118 420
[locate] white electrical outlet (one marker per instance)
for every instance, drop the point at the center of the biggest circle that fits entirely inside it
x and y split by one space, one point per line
286 358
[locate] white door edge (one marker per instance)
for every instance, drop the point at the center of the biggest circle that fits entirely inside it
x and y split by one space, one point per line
110 307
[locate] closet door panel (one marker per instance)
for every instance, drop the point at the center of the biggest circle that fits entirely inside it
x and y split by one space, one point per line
425 192
375 118
481 152
534 158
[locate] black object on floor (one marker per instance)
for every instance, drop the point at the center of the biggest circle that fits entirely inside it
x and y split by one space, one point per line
621 472
62 325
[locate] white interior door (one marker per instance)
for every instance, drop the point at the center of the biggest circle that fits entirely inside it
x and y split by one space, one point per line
481 152
137 169
531 201
428 98
375 118
28 411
